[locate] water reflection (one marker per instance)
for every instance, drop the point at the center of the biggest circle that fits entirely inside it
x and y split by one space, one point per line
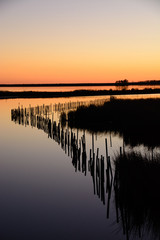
64 89
73 144
134 183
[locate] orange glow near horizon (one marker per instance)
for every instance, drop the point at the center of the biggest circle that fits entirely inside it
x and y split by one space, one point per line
39 45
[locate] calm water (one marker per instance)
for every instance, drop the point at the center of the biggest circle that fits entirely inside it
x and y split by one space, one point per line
52 185
64 89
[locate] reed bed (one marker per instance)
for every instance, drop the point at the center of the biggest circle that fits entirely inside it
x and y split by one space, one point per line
123 112
137 198
137 120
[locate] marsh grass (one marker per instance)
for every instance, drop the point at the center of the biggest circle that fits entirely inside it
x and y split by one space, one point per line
137 120
137 194
122 112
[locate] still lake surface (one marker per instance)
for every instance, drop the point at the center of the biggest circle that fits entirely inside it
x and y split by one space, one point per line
64 89
48 188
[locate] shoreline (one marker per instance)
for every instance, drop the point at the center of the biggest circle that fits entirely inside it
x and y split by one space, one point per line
139 83
76 93
137 120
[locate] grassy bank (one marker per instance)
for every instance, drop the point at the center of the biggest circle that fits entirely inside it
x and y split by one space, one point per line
117 113
137 120
137 184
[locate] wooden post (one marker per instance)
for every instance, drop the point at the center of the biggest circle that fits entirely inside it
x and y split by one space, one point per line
120 151
92 143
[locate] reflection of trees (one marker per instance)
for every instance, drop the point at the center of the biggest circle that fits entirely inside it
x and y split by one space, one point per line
136 179
121 87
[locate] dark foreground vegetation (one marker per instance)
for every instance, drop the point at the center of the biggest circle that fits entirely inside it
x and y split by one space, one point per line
137 120
137 198
117 113
135 180
34 94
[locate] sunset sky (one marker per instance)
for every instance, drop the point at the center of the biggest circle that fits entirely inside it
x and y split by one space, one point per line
59 41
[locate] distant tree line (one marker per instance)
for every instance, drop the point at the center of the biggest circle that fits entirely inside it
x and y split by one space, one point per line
124 82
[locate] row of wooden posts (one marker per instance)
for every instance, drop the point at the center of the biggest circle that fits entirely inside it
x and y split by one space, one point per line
75 147
57 107
98 166
86 161
103 177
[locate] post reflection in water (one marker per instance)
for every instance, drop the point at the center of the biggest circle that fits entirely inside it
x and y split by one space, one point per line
73 145
106 181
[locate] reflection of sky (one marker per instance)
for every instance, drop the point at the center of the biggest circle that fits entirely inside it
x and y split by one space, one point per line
67 89
68 40
41 195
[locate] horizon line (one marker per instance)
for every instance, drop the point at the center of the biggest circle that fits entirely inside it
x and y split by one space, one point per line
145 82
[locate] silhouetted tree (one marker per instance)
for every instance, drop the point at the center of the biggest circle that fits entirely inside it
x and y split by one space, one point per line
122 82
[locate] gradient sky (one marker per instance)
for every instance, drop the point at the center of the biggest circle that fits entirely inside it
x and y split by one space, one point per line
56 41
